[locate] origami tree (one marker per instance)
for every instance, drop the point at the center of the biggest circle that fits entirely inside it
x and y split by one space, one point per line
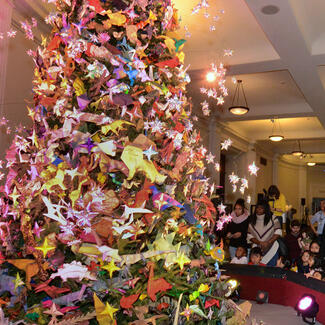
105 212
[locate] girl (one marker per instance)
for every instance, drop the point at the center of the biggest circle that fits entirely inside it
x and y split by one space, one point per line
237 229
263 231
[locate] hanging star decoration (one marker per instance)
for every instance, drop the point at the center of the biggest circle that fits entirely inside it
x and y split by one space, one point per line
253 169
233 179
221 208
248 199
45 248
217 167
111 267
226 144
228 52
210 158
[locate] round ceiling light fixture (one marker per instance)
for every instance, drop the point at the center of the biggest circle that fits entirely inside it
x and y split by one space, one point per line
299 152
311 164
270 10
236 108
276 134
276 137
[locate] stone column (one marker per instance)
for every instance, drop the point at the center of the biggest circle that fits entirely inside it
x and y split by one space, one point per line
214 148
250 158
275 169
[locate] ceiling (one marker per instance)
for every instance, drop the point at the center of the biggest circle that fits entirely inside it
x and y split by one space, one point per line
280 58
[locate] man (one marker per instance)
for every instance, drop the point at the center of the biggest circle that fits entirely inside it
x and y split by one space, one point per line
291 241
319 218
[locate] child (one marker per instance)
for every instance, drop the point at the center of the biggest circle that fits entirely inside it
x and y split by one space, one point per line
283 263
256 256
240 256
314 247
303 263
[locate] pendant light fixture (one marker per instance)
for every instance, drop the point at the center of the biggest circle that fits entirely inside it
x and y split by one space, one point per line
298 152
236 108
276 135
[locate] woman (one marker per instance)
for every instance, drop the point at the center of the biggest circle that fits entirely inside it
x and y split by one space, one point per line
277 202
237 229
263 231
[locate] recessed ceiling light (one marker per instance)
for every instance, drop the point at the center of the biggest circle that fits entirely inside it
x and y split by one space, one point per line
270 10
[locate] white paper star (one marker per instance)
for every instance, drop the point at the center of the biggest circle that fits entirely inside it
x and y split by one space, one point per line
150 152
226 144
217 167
233 179
221 208
210 158
253 169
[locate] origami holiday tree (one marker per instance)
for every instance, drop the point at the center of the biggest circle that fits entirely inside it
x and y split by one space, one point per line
105 212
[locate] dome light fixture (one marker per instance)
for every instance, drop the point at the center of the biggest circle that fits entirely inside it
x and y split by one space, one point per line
236 108
276 136
299 152
311 164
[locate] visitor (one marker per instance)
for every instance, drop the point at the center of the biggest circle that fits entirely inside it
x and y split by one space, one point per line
283 263
237 229
255 257
303 263
292 241
277 202
240 256
319 218
315 247
318 274
263 231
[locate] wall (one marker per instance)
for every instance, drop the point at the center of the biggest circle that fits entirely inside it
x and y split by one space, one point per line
288 183
265 175
315 183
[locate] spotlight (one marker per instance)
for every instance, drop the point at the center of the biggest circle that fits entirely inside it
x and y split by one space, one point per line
233 290
233 284
211 76
307 307
262 297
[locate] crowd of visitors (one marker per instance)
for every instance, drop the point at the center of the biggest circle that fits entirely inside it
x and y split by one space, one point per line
259 238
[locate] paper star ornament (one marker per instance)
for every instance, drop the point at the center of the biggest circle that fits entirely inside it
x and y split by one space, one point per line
45 248
111 267
253 169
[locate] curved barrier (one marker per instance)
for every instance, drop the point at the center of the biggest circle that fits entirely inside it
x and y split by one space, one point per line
284 287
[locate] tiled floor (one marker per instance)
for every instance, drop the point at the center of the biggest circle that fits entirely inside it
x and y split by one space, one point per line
275 315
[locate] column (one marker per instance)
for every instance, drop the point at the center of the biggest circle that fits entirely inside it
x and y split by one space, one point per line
250 158
214 148
275 169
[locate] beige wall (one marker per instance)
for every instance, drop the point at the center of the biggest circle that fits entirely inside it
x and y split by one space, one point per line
264 175
315 183
288 183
